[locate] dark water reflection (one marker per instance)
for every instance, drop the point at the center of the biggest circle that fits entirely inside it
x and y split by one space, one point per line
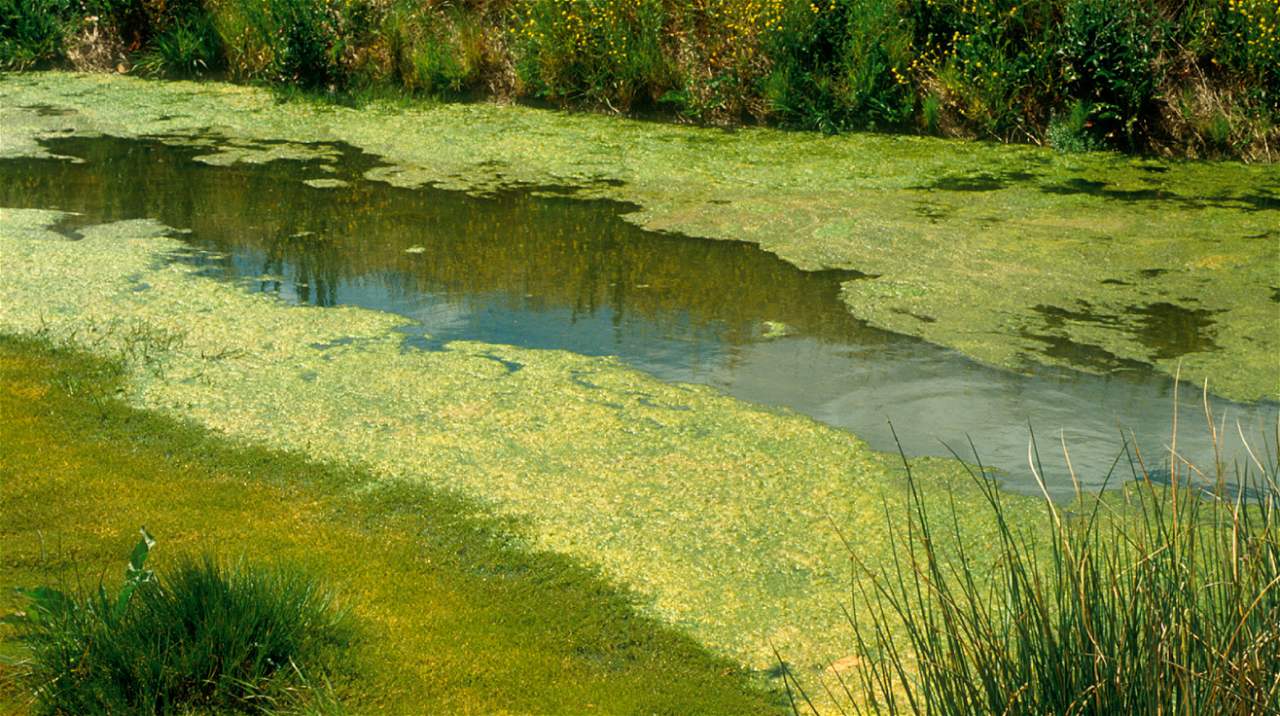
534 269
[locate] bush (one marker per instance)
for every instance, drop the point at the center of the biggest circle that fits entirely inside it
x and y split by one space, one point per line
1109 50
605 53
32 32
205 637
839 64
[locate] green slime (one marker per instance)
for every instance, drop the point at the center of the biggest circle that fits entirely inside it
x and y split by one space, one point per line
721 515
1009 254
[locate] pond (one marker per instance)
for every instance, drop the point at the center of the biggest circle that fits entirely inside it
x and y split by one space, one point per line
539 268
229 249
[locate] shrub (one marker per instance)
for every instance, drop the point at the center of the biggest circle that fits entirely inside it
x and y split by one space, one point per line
184 48
306 48
1242 37
599 52
839 64
32 32
1109 50
991 60
204 637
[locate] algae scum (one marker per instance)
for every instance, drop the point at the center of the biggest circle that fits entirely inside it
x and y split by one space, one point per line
167 220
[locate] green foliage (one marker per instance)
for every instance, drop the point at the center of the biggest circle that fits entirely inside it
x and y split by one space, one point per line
185 48
205 637
32 32
1009 70
423 55
1109 50
1165 601
600 52
306 46
1242 38
990 58
839 64
1071 133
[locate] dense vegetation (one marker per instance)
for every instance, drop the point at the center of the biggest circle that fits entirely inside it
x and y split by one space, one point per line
1184 77
1150 601
204 637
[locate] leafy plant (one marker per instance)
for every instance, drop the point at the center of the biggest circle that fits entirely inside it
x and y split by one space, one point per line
1071 133
1109 50
204 637
185 48
32 32
606 53
305 44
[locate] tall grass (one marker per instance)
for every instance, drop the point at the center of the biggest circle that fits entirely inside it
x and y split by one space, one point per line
1160 599
204 637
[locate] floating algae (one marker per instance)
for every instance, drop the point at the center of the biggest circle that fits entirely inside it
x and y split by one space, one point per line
968 242
720 514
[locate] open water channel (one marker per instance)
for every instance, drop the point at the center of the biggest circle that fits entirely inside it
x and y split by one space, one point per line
538 268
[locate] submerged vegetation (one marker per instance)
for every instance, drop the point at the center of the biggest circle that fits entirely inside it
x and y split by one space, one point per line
1199 78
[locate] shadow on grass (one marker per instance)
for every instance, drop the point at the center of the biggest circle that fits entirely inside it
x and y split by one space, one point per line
454 612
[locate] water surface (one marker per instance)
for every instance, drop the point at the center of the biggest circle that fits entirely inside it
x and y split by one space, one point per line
538 268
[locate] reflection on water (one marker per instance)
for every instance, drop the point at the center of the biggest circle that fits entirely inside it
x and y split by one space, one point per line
539 270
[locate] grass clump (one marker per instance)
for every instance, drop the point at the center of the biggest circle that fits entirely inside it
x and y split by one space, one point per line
1157 600
203 638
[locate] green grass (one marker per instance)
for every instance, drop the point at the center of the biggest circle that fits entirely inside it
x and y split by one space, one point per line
204 637
1156 600
453 614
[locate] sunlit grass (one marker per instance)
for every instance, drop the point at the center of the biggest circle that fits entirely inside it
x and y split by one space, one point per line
455 616
1152 600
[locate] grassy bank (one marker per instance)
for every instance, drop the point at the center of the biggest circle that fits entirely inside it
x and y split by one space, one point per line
452 616
1178 77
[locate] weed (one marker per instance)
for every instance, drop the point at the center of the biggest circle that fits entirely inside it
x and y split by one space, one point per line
185 49
205 636
1071 133
607 53
1109 50
32 32
838 65
1157 600
1009 70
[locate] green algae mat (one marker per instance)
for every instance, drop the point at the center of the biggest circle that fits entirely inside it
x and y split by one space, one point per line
1008 254
722 515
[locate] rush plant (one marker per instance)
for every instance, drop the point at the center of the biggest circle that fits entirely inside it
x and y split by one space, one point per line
1161 599
205 637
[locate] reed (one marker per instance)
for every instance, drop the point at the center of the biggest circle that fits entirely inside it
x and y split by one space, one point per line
1154 599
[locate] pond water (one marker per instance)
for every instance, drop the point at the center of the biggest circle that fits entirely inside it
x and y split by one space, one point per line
538 268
